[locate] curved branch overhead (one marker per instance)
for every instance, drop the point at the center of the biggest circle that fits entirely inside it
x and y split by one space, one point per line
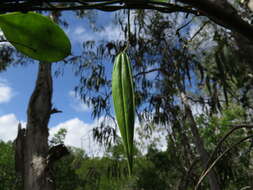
223 14
220 13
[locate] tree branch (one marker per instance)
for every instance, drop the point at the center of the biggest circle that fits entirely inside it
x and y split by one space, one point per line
235 127
146 72
224 16
218 158
199 30
57 5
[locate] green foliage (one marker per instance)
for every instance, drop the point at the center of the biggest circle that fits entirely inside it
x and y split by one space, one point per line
59 137
233 167
153 169
8 179
35 36
220 125
66 175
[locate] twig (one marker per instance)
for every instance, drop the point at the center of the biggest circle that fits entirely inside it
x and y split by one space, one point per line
186 24
247 187
199 30
217 159
207 170
235 127
189 172
146 72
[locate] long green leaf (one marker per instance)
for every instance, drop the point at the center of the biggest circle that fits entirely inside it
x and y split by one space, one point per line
123 100
35 36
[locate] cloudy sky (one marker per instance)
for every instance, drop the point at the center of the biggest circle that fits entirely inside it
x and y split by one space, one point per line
17 83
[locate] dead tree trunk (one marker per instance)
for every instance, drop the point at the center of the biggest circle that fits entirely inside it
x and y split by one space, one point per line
33 157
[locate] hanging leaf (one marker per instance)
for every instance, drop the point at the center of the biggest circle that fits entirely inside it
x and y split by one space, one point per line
123 100
35 36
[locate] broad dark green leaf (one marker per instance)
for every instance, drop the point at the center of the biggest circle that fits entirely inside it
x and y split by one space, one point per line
35 36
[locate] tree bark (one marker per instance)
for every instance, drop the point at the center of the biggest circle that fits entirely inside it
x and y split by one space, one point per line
34 160
32 143
222 13
204 156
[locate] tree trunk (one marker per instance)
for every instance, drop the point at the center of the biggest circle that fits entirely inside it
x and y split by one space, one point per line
32 143
34 160
204 157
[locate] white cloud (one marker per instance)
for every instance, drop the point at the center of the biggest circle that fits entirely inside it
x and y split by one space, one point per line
197 109
79 34
77 104
2 44
193 29
6 92
203 39
75 130
9 127
79 134
79 30
111 32
154 135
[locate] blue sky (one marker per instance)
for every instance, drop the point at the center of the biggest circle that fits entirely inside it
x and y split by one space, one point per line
17 84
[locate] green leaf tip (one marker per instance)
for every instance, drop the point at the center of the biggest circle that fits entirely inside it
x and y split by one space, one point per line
36 36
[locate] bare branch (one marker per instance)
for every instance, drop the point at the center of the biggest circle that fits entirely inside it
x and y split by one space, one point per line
199 30
146 72
217 13
218 158
208 168
183 26
224 15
